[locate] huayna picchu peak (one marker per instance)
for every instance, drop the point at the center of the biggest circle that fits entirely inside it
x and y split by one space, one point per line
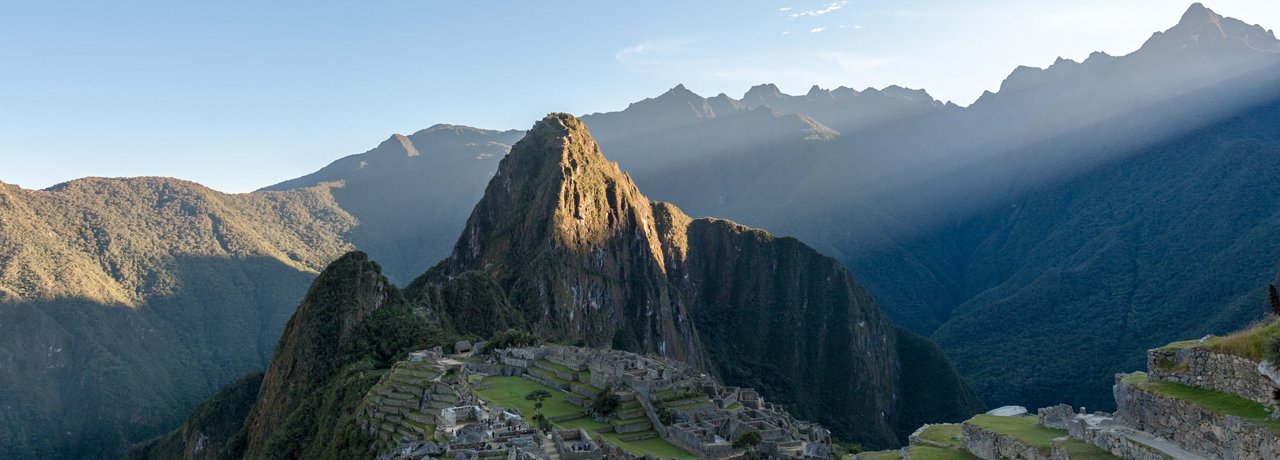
564 247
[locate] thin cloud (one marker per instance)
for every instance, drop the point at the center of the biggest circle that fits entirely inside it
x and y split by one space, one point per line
817 29
786 33
851 27
786 9
830 7
649 50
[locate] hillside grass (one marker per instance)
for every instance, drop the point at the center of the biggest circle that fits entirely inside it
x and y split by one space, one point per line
1214 401
1248 343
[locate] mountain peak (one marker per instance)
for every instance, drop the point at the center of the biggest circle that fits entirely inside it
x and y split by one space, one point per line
764 91
1198 13
679 92
557 186
1201 26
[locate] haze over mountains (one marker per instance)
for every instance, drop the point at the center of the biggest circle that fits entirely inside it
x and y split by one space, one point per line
1042 236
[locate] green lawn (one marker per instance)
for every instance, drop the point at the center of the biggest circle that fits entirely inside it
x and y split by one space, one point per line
940 453
509 392
585 423
943 435
1214 401
1025 428
656 447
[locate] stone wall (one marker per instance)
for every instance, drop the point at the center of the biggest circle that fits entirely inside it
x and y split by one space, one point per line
1192 427
494 369
989 445
1121 446
1199 367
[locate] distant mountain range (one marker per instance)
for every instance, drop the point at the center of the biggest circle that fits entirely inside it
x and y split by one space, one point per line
564 246
1042 235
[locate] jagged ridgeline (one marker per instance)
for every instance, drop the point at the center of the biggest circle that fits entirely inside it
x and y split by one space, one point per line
564 245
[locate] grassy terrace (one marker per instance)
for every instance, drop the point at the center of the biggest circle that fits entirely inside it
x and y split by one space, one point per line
1027 430
546 374
940 453
882 455
559 367
942 435
1213 401
509 392
1248 343
656 447
940 442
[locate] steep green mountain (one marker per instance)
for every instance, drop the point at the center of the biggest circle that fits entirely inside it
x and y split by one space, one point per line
127 301
350 326
1084 276
353 320
564 244
207 431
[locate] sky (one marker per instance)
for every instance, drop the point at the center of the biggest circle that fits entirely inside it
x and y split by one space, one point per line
240 95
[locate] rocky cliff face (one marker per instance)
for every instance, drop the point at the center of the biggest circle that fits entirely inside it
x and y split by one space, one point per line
572 246
563 243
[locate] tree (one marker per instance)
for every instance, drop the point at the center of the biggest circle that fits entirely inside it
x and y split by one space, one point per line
749 440
543 422
606 403
537 396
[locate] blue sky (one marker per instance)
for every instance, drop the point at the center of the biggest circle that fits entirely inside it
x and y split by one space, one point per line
239 95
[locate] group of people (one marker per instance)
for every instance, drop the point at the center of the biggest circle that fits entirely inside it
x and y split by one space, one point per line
581 447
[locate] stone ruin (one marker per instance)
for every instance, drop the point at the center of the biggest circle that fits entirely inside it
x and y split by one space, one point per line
424 401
